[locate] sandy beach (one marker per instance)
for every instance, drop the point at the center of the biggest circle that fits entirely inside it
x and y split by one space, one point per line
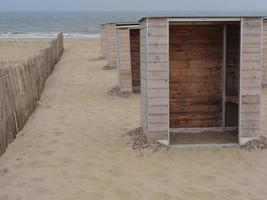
74 146
20 50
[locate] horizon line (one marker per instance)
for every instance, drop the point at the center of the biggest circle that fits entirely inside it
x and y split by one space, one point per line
134 10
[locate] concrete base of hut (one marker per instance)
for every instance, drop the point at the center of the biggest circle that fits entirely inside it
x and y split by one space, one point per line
207 137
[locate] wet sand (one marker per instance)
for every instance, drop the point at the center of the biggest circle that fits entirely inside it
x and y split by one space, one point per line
74 147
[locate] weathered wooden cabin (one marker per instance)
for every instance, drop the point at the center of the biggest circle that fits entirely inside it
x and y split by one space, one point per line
128 56
111 56
201 79
103 40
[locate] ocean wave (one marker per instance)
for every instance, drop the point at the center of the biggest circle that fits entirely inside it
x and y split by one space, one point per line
46 35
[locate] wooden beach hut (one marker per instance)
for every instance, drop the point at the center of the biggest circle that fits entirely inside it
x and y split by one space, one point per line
103 40
201 79
128 56
110 35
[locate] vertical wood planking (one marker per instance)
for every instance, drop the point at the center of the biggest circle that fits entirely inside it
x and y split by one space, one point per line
157 79
264 79
143 69
264 58
196 55
111 44
135 59
106 40
250 89
102 39
124 59
232 72
224 76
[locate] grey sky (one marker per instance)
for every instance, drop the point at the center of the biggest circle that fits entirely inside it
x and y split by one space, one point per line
98 5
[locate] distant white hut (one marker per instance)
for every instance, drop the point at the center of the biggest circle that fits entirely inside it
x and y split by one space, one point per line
111 44
103 39
128 56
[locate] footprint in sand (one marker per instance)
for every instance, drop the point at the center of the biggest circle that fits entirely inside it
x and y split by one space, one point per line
53 141
58 133
121 194
201 179
22 184
139 184
37 180
41 190
3 172
48 106
66 159
37 163
68 124
62 117
40 136
48 153
230 192
69 144
79 176
71 109
99 182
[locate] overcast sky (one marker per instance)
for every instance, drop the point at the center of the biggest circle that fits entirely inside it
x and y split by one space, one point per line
135 5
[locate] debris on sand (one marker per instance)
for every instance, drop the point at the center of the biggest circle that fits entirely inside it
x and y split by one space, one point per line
116 91
141 142
107 67
256 144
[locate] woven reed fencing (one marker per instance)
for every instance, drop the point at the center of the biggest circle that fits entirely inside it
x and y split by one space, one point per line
21 85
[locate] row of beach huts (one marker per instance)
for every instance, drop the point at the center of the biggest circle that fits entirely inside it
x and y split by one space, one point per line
200 78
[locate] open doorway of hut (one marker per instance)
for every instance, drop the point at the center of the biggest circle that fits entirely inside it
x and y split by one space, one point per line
135 60
204 82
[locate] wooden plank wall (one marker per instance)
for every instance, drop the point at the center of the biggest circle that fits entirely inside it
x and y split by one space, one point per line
106 41
264 59
158 79
103 32
196 59
135 59
232 72
111 45
124 59
251 74
143 75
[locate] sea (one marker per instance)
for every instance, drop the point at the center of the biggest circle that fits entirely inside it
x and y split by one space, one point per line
80 24
48 24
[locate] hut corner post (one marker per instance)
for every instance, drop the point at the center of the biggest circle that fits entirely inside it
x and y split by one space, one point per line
250 79
154 36
264 54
